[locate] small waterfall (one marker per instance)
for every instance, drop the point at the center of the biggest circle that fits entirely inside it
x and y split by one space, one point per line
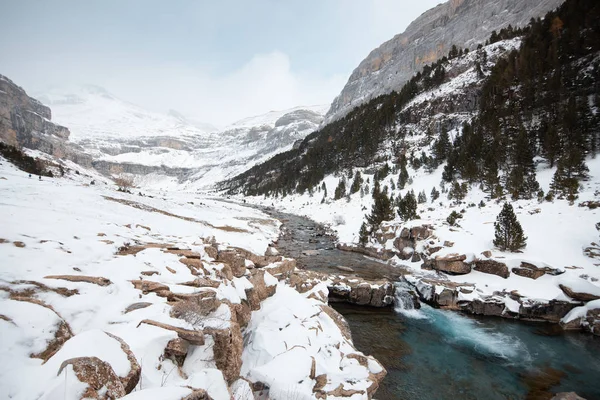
406 302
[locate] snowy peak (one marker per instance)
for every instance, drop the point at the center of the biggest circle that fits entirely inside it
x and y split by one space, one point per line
94 113
272 117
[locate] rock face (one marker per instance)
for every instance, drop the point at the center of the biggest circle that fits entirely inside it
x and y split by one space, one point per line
102 381
464 23
453 264
26 122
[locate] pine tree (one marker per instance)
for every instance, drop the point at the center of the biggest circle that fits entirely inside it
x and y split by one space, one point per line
403 177
422 197
435 194
340 190
363 235
382 209
508 231
356 183
407 206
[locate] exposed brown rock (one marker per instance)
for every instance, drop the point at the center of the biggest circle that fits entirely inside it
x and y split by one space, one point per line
487 253
19 244
202 282
195 266
102 381
198 394
136 306
234 260
148 286
182 252
177 350
96 280
492 267
149 273
339 320
171 270
320 383
194 337
579 296
228 349
211 251
133 377
528 272
127 249
194 309
260 291
453 264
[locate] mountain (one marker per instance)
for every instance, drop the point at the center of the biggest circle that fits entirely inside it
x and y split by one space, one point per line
170 150
479 178
464 23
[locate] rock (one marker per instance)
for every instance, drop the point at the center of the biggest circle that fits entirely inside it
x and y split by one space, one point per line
192 336
579 296
133 377
211 251
567 396
271 251
260 291
339 320
464 23
198 394
532 271
415 257
361 292
136 306
486 253
177 350
201 283
420 232
195 307
149 273
228 349
195 266
448 243
310 252
492 267
149 286
320 382
101 379
345 269
528 272
234 260
240 312
453 264
552 311
491 307
282 268
100 281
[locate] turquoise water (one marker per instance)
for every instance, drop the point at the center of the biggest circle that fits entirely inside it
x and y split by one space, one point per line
435 354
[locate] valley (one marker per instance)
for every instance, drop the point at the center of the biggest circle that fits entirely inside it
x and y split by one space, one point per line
433 233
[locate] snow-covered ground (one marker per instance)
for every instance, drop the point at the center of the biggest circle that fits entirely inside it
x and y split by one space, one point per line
56 232
558 233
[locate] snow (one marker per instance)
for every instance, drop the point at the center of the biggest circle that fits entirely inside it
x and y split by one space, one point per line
69 227
581 312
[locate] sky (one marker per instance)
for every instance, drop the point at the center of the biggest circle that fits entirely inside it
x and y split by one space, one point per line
213 61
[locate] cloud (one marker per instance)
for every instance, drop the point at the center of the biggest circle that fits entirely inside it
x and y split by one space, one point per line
266 82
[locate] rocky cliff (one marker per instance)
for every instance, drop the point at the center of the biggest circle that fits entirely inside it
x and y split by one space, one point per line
464 23
24 121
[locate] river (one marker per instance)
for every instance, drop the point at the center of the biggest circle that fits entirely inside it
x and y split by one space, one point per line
436 354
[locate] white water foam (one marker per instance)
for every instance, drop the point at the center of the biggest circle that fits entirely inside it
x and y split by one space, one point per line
468 332
404 302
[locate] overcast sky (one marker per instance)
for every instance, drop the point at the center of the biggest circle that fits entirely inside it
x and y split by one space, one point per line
216 61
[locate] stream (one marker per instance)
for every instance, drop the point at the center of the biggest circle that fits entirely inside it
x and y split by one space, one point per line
436 354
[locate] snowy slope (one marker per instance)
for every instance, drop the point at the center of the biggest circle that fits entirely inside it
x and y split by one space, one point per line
57 230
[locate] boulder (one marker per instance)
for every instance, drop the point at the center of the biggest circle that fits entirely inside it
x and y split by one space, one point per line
192 336
492 267
149 286
452 264
177 350
552 311
131 380
579 296
198 394
491 307
260 290
97 280
532 271
101 379
227 350
234 260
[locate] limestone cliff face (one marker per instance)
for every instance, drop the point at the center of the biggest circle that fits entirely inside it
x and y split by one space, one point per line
24 121
464 23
